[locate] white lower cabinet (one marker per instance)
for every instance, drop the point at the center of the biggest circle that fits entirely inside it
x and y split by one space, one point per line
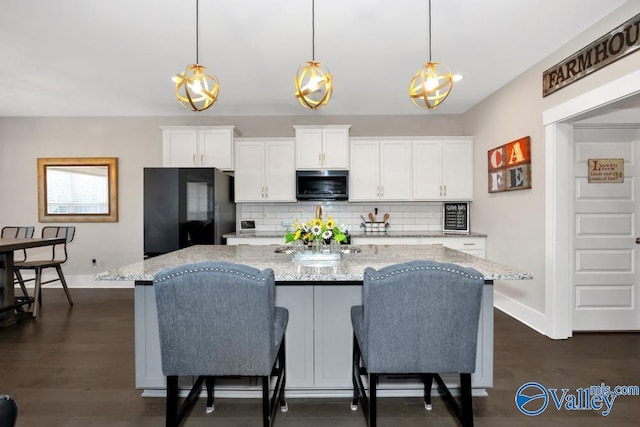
299 336
333 335
318 335
473 245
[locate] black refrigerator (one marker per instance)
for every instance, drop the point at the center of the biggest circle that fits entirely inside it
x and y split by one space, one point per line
186 206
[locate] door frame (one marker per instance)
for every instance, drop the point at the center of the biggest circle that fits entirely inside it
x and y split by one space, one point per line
558 209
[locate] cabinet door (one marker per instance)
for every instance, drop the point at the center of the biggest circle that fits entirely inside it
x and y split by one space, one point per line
249 176
308 149
395 170
179 147
216 148
457 169
280 179
299 335
335 148
334 334
427 170
364 170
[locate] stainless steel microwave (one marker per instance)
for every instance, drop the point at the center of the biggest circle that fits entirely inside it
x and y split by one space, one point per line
322 185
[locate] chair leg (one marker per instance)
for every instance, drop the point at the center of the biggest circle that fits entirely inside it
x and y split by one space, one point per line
428 383
172 402
282 364
355 372
465 400
210 382
266 410
373 385
36 292
64 283
21 282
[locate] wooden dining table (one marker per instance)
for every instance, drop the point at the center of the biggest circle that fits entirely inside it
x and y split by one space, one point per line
8 301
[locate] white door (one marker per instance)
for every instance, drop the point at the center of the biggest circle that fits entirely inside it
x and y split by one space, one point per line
606 290
364 170
395 170
427 169
280 175
457 169
250 171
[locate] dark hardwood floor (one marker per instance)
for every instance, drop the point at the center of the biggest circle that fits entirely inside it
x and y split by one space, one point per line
74 367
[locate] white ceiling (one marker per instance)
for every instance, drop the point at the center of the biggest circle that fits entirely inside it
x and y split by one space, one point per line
116 57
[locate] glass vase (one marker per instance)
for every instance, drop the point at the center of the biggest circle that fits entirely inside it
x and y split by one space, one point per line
317 245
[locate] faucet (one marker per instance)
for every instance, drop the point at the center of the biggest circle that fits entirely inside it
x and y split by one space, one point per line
319 211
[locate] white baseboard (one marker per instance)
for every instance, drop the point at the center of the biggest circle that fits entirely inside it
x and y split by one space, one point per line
82 281
530 317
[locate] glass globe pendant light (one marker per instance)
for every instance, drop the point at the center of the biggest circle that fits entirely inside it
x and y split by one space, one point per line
313 81
195 89
432 83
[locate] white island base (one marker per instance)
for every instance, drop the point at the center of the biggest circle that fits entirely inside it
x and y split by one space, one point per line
319 299
319 343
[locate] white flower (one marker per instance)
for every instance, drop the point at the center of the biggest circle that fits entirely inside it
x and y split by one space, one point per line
342 228
316 230
327 234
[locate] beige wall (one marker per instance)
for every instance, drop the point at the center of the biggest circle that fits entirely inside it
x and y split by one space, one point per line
137 142
514 221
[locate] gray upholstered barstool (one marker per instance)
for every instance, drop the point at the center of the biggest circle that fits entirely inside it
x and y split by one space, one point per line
219 319
420 319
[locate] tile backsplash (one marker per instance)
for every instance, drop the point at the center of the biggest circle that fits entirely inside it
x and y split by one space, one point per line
403 216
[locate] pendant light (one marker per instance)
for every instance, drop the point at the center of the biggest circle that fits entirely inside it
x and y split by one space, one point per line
194 88
432 83
314 82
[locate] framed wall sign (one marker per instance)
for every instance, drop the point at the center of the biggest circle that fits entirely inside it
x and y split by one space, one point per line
606 171
510 166
455 217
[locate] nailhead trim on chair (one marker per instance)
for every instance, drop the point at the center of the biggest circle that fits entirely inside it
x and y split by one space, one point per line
450 270
217 269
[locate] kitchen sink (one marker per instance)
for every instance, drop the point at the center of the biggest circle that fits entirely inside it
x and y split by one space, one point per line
344 249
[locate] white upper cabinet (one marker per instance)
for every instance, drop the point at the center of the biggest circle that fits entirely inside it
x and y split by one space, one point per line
322 147
380 170
198 146
443 169
265 170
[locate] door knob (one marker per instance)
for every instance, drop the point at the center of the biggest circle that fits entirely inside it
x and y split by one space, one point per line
638 240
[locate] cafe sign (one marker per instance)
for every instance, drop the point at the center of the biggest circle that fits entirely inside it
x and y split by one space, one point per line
606 170
607 49
509 166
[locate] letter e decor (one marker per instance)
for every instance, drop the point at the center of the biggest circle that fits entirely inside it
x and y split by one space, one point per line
510 166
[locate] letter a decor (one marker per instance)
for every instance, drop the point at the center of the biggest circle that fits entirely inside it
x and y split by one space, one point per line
510 166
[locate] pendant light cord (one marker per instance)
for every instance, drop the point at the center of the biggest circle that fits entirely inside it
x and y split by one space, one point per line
429 30
197 31
313 30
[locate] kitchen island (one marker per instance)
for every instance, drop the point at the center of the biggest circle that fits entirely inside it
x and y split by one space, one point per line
319 296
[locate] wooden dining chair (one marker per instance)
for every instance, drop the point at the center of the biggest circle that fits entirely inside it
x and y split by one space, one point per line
18 232
58 257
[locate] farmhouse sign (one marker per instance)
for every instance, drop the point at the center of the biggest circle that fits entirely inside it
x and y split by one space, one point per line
510 166
607 49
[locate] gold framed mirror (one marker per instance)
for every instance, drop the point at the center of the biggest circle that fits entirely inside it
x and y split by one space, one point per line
81 189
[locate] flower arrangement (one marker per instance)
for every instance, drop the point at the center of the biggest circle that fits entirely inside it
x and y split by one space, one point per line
315 230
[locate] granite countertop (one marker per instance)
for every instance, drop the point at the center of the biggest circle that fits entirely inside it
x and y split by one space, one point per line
349 268
358 233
